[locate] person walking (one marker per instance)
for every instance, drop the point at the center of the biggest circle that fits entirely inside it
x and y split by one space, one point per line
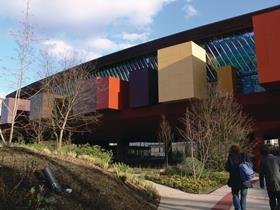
270 171
238 187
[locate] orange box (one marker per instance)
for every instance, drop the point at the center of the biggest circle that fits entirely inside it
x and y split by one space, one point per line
267 40
111 93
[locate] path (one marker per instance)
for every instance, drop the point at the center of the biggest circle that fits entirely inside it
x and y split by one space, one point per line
220 199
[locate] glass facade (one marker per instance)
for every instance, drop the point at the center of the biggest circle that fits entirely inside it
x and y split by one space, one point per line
238 51
122 70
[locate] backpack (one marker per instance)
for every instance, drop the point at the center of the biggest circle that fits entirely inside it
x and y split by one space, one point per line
246 171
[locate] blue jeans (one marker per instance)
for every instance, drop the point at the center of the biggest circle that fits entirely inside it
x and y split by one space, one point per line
239 198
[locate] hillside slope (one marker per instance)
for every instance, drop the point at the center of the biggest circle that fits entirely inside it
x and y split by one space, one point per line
20 170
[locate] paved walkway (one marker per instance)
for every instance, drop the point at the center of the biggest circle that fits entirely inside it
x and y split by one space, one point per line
172 199
257 199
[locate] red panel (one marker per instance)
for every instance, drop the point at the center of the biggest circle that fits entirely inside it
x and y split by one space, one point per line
112 93
267 39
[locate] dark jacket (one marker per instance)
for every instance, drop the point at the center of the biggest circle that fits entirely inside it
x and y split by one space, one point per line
270 171
232 166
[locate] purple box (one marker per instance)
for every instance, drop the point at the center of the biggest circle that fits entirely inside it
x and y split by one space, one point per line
142 88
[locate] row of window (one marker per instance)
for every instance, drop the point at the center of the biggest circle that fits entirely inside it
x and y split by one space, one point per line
123 69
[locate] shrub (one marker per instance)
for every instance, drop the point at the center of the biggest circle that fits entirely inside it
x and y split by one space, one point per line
100 156
186 183
121 168
68 149
151 190
221 177
95 153
177 157
185 168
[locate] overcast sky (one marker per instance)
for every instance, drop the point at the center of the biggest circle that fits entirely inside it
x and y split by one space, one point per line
93 28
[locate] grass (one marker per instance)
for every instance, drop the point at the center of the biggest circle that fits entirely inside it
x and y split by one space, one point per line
93 186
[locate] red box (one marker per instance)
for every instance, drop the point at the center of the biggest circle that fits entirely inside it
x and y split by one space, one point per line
267 40
111 93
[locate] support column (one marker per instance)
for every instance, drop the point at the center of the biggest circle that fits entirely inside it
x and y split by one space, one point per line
259 142
121 150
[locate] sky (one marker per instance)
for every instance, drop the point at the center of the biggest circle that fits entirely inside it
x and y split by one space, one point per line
93 28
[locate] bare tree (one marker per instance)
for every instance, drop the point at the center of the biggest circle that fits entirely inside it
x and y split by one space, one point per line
37 129
71 101
189 134
166 136
213 125
23 43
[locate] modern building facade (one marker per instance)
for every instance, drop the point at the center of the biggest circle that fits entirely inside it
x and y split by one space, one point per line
159 77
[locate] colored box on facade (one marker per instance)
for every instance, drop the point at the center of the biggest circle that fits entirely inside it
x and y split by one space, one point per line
111 93
143 88
226 80
267 40
8 106
86 100
41 106
182 72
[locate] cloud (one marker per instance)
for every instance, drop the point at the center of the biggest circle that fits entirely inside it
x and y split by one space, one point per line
85 15
91 28
105 44
58 48
190 9
135 36
86 49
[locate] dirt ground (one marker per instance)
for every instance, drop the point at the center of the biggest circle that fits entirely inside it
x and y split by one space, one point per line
92 187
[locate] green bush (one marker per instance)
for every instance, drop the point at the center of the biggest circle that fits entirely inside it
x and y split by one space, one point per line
95 153
177 157
99 156
124 172
185 168
121 168
68 149
221 177
37 147
186 183
151 190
